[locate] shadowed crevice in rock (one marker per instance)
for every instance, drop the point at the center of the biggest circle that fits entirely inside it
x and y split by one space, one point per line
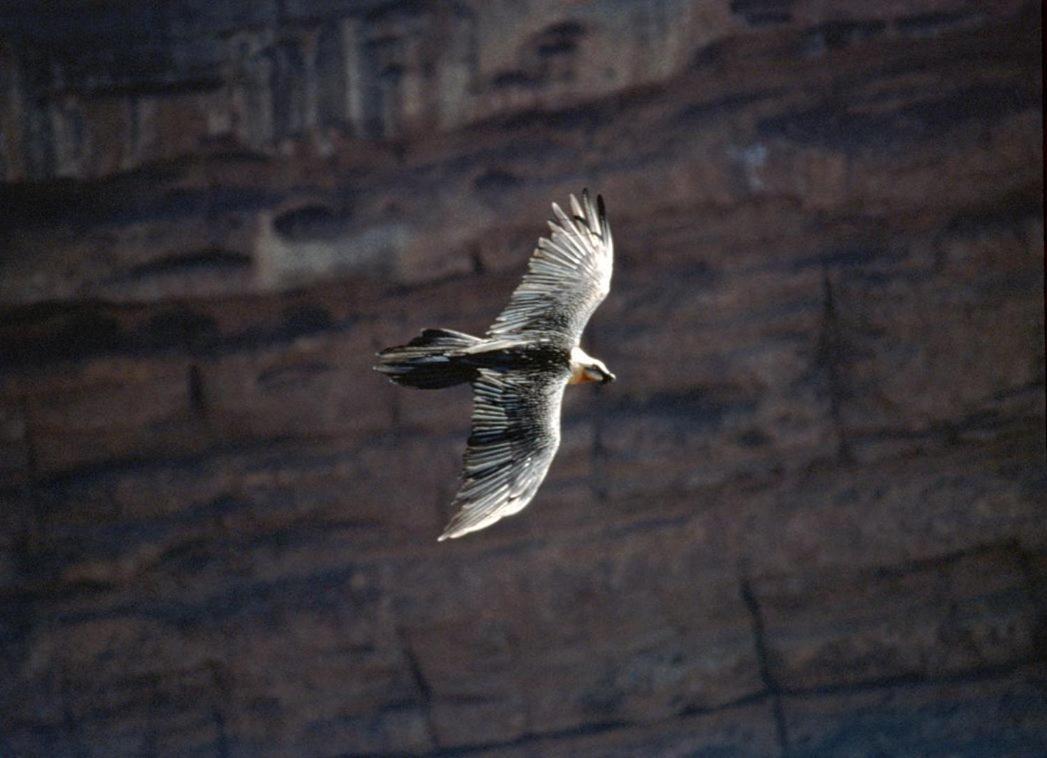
53 332
70 723
831 357
195 390
835 35
421 684
930 24
119 201
214 260
312 222
839 125
604 729
763 661
1005 213
56 333
912 681
760 13
222 695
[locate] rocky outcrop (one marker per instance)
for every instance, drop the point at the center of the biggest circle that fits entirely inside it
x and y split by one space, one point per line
807 519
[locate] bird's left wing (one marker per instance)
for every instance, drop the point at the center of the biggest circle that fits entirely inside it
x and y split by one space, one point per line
568 275
516 431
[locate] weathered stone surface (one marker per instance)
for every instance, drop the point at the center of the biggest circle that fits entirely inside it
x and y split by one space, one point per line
605 637
308 388
807 519
16 524
899 511
110 408
278 508
831 628
985 716
14 447
734 730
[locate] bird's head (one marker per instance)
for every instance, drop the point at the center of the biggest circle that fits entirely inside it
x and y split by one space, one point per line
585 368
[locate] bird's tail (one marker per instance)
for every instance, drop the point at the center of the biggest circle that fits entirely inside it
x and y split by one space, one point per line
427 362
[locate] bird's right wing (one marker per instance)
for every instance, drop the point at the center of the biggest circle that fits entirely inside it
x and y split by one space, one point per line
568 275
516 431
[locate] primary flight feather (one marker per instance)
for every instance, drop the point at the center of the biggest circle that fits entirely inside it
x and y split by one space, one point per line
520 368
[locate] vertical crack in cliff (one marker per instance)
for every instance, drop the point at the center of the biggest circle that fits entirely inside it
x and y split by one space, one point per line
195 390
830 357
221 686
477 260
69 720
32 524
425 691
762 662
31 463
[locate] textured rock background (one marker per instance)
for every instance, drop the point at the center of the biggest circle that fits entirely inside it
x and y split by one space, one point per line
808 519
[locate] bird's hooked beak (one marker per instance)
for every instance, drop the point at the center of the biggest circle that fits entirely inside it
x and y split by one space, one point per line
600 374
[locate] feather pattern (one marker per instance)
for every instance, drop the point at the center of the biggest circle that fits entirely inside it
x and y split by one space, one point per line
568 276
515 435
520 369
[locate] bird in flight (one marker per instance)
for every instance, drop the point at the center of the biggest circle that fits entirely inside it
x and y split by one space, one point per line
520 368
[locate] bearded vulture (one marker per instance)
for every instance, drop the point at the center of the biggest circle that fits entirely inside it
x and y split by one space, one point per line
520 368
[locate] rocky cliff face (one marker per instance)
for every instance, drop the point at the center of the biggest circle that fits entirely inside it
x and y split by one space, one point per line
808 519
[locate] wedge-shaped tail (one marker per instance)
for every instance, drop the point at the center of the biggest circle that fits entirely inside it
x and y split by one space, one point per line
428 361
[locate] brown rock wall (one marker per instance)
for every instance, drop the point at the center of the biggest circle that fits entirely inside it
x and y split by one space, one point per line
807 519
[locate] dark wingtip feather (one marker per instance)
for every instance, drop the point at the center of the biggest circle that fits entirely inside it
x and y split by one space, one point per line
600 208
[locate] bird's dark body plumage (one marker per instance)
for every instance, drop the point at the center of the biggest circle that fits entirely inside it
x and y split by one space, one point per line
520 368
431 361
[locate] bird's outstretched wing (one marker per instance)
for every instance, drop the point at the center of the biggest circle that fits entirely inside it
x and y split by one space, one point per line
569 274
516 431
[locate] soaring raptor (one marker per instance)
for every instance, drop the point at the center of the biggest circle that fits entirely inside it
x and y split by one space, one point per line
520 368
